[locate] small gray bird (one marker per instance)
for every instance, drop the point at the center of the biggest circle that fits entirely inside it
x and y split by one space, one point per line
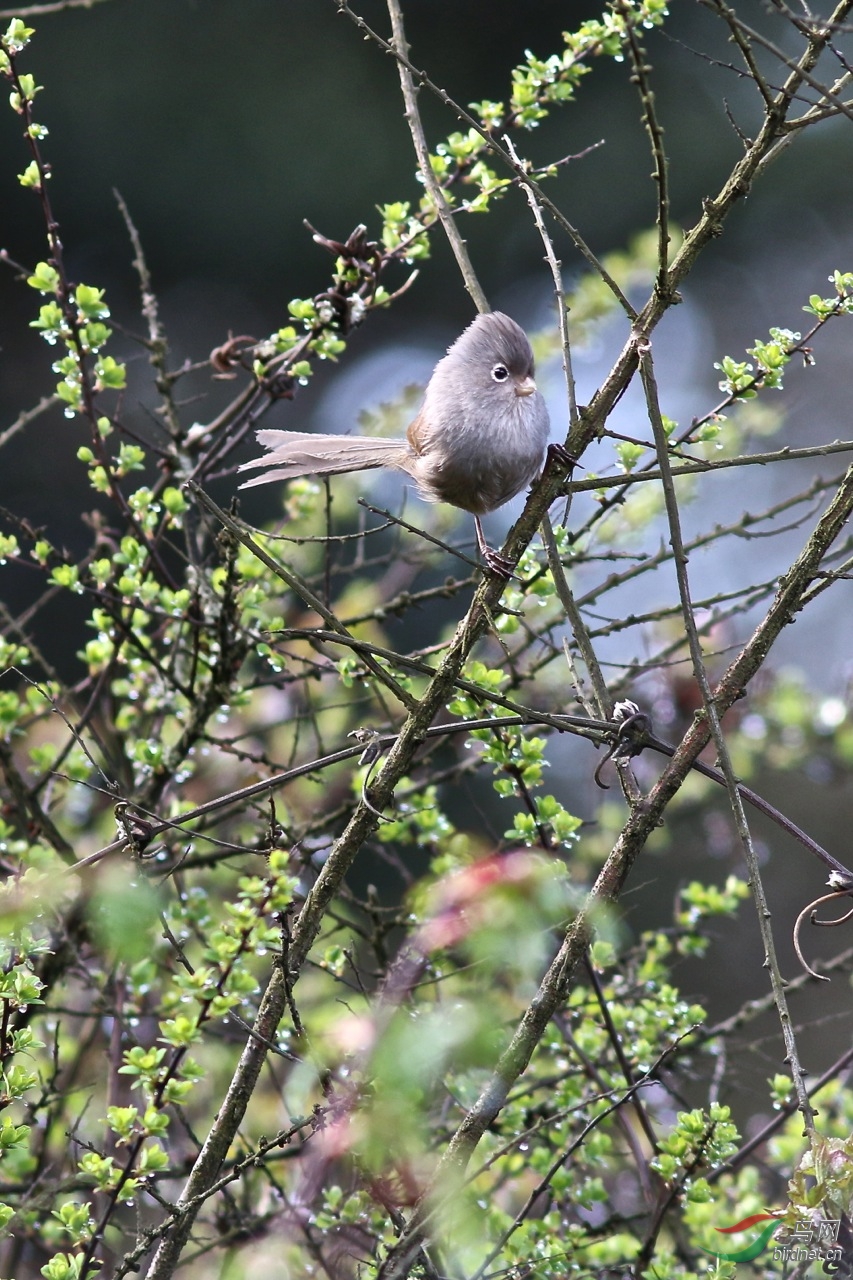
479 438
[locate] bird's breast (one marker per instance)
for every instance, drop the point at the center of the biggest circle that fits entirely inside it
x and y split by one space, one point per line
479 464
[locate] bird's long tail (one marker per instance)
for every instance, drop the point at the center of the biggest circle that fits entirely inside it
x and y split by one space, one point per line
302 453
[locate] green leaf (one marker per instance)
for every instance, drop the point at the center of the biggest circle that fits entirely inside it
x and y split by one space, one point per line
45 278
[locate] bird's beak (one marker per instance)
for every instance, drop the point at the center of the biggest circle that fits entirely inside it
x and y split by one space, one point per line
526 387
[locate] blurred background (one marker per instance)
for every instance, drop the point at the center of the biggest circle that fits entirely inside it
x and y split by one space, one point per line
225 124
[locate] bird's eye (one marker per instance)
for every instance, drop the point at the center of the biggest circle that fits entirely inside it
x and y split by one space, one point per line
500 373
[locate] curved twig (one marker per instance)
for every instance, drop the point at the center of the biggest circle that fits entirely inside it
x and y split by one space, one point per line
824 924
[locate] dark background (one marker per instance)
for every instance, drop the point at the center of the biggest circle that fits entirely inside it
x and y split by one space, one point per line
226 123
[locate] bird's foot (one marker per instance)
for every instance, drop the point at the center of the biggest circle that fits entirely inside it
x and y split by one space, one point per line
498 563
559 453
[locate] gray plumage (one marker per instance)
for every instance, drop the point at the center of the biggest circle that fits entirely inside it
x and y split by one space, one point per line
479 438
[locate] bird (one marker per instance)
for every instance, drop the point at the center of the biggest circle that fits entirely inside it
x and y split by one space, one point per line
479 438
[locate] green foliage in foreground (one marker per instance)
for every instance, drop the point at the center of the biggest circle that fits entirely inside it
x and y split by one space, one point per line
171 815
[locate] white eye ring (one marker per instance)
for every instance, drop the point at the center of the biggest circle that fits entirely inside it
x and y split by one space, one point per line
500 373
